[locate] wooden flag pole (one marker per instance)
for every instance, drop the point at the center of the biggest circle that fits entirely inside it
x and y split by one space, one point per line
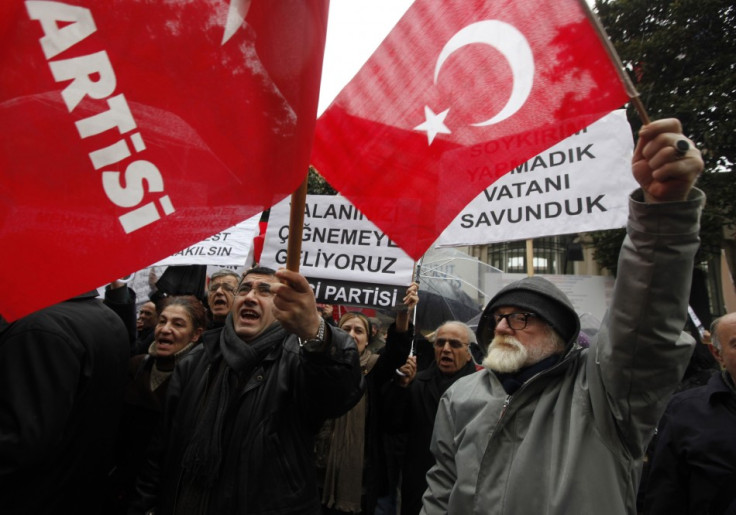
623 75
530 257
296 226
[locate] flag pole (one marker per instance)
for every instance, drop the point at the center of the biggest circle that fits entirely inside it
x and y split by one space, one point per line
296 226
611 50
529 257
415 278
417 273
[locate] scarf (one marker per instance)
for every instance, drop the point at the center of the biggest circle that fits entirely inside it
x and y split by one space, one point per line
513 381
203 456
343 485
440 382
163 367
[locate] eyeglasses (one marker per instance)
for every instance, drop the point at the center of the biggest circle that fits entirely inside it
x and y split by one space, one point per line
455 344
226 287
516 321
260 289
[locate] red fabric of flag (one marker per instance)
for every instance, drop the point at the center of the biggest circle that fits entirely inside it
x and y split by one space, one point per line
459 93
132 129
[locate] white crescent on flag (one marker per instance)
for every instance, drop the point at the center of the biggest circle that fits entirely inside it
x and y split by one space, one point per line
512 45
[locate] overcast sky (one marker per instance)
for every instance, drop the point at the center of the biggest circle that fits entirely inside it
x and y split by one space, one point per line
355 28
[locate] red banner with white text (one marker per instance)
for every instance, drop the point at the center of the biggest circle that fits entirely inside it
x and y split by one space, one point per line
459 93
132 129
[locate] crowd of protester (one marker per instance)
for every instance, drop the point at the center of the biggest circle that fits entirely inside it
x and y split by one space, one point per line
246 396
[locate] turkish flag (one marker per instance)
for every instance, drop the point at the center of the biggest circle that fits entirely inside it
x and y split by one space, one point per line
132 129
458 94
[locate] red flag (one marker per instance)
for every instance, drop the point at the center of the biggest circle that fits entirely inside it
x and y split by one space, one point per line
132 129
458 94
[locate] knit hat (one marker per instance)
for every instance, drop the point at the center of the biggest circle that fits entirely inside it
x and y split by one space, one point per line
536 295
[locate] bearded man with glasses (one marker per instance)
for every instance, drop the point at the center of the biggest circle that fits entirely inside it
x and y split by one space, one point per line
547 426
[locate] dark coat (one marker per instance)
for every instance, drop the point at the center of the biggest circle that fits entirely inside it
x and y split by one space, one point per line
411 411
62 374
375 474
143 341
694 466
268 465
142 410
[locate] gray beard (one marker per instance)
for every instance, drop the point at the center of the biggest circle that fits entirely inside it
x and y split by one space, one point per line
502 358
507 355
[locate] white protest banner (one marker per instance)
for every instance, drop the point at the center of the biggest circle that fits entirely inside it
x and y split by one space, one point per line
581 184
345 257
230 247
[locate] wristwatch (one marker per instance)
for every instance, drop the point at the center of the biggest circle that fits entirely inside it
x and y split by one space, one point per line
319 339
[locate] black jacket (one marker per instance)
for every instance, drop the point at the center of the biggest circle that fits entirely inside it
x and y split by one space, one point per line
694 466
62 374
411 411
392 355
268 464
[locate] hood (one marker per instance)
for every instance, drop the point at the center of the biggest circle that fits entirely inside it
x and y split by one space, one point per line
536 294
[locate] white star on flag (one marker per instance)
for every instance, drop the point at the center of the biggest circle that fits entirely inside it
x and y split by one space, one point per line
434 123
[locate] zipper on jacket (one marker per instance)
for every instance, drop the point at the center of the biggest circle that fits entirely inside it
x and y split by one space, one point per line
500 416
507 401
503 409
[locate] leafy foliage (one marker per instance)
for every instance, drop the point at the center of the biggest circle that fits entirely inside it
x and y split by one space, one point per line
317 185
681 55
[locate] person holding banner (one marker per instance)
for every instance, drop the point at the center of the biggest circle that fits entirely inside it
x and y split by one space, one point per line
411 401
548 427
241 411
350 450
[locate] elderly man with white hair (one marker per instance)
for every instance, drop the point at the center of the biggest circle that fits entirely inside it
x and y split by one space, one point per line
412 402
549 427
694 464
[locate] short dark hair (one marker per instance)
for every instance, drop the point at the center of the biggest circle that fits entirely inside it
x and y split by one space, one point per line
192 305
360 316
260 270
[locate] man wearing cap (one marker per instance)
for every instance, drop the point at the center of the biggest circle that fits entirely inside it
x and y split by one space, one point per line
548 427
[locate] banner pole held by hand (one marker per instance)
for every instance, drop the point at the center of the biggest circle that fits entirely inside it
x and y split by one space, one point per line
296 226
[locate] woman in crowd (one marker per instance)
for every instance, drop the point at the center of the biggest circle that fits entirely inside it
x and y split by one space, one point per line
350 450
177 331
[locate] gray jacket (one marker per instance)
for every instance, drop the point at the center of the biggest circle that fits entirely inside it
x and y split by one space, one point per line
571 439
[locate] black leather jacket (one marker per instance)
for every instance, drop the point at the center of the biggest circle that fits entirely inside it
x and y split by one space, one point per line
267 464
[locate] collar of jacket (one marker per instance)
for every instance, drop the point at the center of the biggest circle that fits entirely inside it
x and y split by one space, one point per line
211 345
717 388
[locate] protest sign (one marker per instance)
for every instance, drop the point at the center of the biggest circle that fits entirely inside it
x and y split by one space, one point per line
231 247
581 184
346 259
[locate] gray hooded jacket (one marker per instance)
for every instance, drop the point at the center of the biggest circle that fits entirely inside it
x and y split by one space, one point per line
571 439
